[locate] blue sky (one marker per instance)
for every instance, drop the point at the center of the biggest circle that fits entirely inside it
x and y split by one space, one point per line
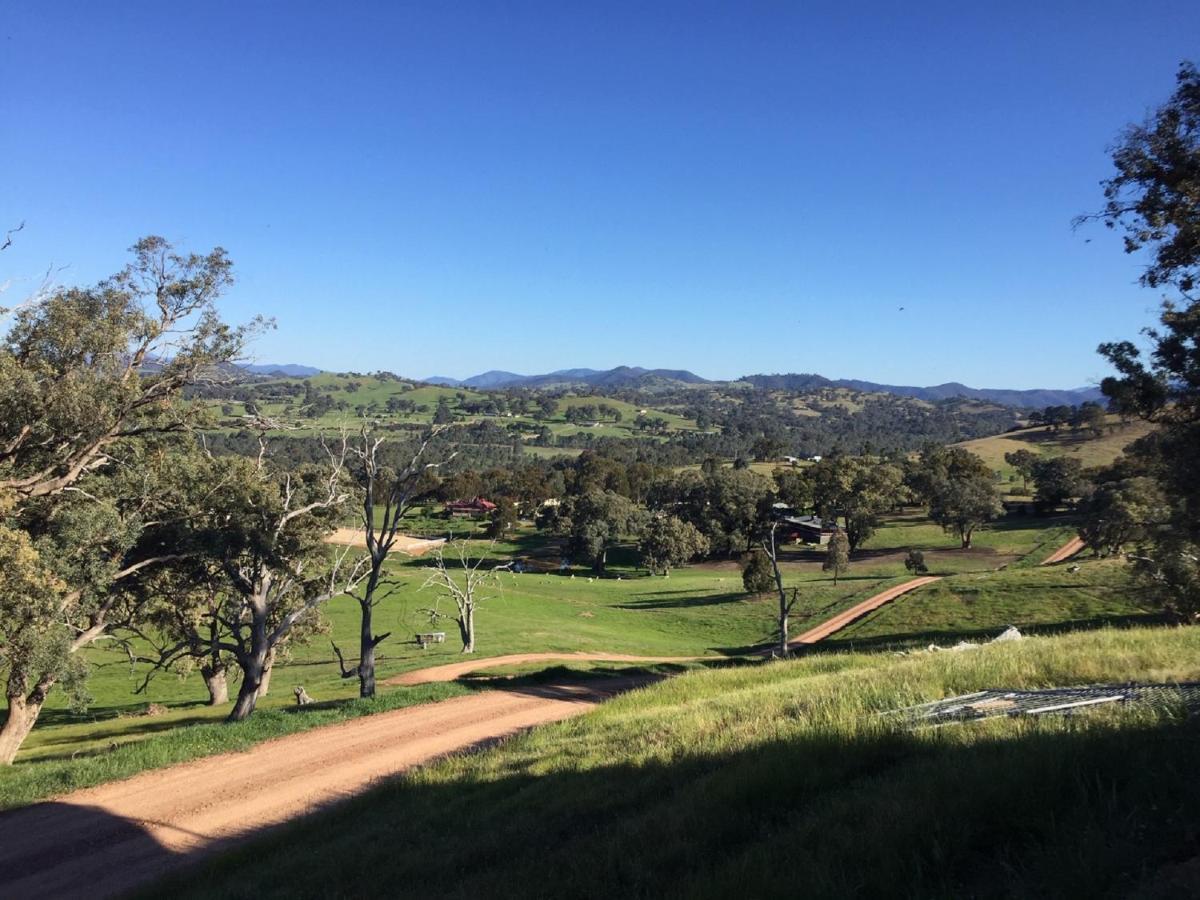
727 187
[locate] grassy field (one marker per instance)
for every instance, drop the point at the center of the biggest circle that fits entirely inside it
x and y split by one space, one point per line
978 606
699 610
1090 450
781 780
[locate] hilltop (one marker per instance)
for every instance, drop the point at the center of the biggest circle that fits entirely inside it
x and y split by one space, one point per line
673 422
664 379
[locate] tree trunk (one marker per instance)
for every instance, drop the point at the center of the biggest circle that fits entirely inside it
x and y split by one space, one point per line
466 629
366 654
264 686
966 539
214 680
22 715
255 668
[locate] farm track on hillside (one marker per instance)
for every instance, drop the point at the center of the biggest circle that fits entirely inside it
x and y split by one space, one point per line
1066 551
841 620
108 840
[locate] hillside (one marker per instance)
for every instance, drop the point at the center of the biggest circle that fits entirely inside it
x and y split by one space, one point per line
686 422
667 379
1089 448
780 779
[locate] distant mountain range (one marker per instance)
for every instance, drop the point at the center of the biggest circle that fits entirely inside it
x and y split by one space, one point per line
292 370
1037 397
621 376
636 377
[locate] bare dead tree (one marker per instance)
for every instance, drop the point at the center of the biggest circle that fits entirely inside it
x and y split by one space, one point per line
787 600
386 499
461 582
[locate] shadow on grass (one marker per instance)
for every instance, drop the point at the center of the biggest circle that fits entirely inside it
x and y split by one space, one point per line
684 602
1085 812
124 712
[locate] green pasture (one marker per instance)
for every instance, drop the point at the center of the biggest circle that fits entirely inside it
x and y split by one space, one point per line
700 610
781 779
978 606
1091 450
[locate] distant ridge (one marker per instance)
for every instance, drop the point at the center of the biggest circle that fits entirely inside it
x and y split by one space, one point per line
292 370
1036 397
621 376
668 379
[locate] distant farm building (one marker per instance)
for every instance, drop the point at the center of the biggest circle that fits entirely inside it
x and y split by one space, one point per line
476 506
808 529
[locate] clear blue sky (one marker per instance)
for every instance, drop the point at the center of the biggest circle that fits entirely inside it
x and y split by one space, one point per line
732 188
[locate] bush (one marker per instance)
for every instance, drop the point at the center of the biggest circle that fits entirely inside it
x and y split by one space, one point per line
757 575
915 562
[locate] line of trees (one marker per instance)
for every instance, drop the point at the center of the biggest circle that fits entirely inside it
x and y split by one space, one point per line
1153 497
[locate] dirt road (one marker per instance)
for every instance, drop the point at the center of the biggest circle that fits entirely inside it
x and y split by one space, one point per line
1066 551
451 671
840 621
110 839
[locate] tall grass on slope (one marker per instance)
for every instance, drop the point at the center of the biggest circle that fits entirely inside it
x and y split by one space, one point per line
783 780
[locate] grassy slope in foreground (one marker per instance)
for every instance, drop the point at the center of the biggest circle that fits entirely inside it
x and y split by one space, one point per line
778 780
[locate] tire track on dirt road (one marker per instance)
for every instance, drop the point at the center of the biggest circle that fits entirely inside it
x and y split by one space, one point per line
110 839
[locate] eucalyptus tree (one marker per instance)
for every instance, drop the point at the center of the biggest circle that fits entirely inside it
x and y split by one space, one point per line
91 390
1154 198
960 490
266 528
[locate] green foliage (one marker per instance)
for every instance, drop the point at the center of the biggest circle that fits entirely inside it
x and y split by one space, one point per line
667 542
1155 199
959 488
594 522
727 506
758 576
1121 512
91 386
1023 461
837 555
1153 196
914 562
1056 481
503 518
859 489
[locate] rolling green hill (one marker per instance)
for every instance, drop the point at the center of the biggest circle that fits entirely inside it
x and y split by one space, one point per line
1090 449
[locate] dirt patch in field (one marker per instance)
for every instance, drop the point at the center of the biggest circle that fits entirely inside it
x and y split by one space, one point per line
411 546
718 565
